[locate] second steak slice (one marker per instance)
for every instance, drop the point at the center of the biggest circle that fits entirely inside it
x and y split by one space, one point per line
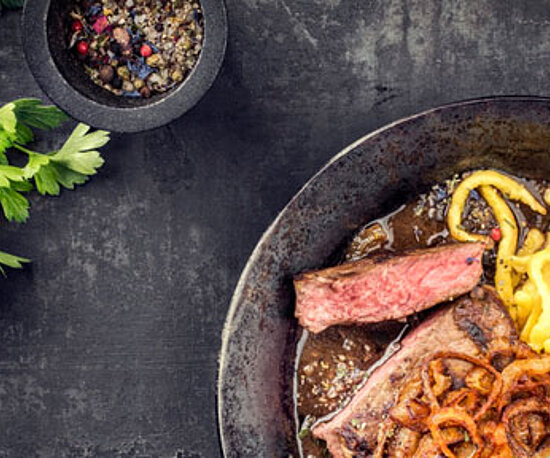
379 289
471 325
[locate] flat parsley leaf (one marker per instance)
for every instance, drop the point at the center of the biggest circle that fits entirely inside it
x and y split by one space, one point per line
14 205
49 179
33 113
36 161
23 134
71 165
11 129
9 173
8 121
78 151
17 118
10 260
5 143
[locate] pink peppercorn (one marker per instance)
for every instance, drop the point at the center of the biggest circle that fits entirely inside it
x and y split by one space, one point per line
82 48
77 26
145 51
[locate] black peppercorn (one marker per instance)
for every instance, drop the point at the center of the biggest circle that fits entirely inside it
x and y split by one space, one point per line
115 47
116 83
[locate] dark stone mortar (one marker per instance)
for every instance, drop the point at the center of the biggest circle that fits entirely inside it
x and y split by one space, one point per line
62 78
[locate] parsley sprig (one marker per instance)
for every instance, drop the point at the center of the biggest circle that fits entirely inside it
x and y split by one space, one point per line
70 165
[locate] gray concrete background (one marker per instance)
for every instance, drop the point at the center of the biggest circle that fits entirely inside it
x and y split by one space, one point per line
109 340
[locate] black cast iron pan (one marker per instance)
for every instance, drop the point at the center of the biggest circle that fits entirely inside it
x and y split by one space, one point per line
367 180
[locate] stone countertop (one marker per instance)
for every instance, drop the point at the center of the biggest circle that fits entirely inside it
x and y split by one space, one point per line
110 338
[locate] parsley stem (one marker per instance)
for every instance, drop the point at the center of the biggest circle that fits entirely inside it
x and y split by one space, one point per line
22 148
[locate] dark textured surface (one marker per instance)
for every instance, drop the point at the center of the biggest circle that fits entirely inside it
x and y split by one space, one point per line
109 341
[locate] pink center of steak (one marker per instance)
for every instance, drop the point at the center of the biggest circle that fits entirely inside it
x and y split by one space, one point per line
373 290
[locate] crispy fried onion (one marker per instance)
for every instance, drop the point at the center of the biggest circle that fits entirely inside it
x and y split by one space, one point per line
410 411
432 397
462 407
525 408
495 438
473 409
454 416
520 369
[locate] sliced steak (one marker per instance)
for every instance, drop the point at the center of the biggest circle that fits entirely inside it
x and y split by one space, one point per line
353 431
374 289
